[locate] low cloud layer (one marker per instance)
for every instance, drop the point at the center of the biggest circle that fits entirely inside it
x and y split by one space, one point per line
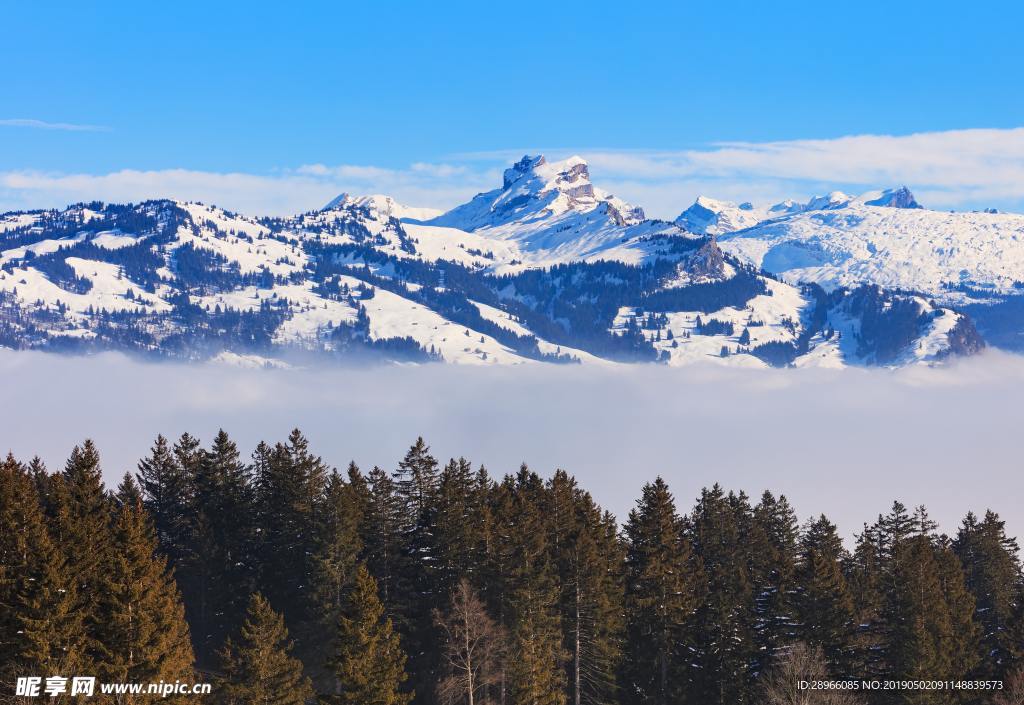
961 169
843 443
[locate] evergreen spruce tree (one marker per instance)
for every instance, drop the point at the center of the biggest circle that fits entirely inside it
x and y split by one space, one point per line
663 589
128 493
167 497
535 672
773 546
290 491
964 644
589 558
824 606
921 625
256 666
929 612
367 659
382 538
41 629
992 568
416 590
142 633
725 651
222 565
335 559
81 528
869 584
457 531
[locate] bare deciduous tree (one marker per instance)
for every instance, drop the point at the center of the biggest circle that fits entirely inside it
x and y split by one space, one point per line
786 683
472 652
1013 689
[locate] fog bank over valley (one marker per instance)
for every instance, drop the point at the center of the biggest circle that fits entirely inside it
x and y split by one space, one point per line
846 443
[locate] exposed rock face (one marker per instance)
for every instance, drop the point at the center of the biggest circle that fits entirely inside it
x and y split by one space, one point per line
708 261
895 198
521 168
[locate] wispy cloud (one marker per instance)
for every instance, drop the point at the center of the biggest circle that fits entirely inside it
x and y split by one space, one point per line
949 169
44 125
282 193
953 169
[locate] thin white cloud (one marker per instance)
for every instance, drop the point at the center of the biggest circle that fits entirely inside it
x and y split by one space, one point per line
952 169
284 193
44 125
960 169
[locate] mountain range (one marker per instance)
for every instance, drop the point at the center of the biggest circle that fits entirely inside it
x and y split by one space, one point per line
546 267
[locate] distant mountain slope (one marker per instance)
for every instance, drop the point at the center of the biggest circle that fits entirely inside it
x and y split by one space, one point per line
546 268
906 248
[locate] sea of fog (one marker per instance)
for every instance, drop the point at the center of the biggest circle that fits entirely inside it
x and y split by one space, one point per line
846 443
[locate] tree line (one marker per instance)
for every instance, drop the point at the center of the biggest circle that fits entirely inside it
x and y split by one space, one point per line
286 581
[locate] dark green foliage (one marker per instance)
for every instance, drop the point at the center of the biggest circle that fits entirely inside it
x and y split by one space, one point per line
725 621
588 557
992 572
41 623
290 483
663 589
678 609
257 666
367 660
825 613
143 635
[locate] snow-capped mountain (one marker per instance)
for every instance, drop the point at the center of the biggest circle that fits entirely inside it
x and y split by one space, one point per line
709 216
386 206
886 238
550 212
546 268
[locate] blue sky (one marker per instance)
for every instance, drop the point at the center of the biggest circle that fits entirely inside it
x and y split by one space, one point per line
429 99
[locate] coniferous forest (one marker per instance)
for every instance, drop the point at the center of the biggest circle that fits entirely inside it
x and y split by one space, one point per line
284 581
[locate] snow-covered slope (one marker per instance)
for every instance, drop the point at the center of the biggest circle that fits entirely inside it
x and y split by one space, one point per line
906 248
549 212
546 268
386 206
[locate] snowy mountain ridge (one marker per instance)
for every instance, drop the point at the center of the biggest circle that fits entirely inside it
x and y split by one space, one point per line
545 268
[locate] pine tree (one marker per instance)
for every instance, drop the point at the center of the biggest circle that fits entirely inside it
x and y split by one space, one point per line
41 628
142 631
535 672
920 623
773 547
589 558
964 644
663 589
128 492
868 581
290 490
335 559
257 666
824 606
82 530
416 590
725 620
992 568
222 563
382 537
457 550
416 480
367 659
167 497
